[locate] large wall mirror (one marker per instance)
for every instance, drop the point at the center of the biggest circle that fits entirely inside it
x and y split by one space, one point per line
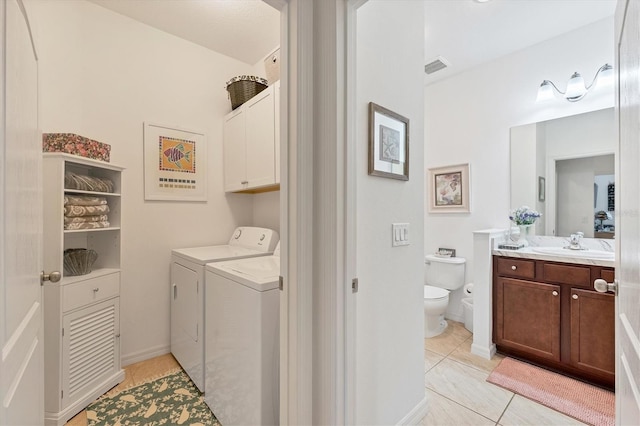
565 169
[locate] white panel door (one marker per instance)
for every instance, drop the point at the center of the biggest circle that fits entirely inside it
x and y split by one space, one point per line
21 367
628 216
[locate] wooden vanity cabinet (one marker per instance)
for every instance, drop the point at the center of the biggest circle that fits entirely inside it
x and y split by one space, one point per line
593 332
548 313
528 318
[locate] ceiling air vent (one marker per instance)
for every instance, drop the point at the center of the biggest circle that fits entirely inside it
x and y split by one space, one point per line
436 64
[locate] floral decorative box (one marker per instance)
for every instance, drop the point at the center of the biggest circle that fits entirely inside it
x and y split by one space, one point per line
71 143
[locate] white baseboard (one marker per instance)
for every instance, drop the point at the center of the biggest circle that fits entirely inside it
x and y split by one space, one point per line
483 351
415 416
145 354
455 317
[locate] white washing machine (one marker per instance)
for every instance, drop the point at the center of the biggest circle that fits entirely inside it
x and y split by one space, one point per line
241 343
187 292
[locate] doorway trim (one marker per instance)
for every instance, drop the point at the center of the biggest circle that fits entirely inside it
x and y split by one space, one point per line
318 187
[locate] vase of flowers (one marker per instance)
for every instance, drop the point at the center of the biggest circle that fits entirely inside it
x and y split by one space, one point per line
525 218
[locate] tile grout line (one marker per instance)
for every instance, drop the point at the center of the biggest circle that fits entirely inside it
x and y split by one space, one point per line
462 405
482 370
506 408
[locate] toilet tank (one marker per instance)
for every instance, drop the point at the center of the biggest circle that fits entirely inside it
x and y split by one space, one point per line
444 272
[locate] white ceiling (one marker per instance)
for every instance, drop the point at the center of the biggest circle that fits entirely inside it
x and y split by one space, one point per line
468 33
465 32
247 30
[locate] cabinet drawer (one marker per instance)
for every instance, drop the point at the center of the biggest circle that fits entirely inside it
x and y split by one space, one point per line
608 275
567 274
518 268
90 291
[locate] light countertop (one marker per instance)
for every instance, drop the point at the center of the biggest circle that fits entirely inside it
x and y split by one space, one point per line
528 253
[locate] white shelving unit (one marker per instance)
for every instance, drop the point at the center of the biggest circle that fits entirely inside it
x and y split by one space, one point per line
81 313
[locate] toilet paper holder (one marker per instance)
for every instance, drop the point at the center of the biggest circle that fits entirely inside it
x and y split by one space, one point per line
468 289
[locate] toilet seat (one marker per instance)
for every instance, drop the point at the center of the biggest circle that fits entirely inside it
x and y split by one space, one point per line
435 293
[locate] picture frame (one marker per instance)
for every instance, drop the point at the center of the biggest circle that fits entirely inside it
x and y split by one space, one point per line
541 188
388 143
449 189
175 164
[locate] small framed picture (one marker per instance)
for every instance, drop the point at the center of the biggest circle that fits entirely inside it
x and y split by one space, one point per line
541 189
388 143
448 189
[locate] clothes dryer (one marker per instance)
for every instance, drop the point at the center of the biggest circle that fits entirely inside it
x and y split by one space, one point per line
188 287
241 344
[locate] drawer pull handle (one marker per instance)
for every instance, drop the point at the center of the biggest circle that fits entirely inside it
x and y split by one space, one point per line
574 297
513 268
555 293
97 289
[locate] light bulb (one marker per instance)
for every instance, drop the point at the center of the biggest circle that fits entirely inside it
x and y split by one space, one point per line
606 75
545 91
575 88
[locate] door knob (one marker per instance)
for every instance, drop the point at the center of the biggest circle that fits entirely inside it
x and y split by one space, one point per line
602 286
54 277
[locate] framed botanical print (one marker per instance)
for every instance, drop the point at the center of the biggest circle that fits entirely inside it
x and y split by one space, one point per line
388 143
449 189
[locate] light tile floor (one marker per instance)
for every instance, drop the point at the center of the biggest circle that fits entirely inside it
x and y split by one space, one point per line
458 393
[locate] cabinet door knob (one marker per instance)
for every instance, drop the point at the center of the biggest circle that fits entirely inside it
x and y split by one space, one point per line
97 289
555 293
574 297
513 268
244 182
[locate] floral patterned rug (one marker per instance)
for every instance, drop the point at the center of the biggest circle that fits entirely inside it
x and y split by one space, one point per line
169 400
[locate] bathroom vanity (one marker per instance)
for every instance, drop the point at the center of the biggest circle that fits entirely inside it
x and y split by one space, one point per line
547 312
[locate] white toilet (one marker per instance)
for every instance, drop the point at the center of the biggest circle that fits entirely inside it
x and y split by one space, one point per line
441 274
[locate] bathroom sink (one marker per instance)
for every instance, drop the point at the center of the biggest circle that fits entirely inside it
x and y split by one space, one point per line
586 254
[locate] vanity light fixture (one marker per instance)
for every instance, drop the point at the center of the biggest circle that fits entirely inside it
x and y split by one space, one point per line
576 88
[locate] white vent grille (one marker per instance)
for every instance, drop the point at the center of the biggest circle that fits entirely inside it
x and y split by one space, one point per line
91 347
436 64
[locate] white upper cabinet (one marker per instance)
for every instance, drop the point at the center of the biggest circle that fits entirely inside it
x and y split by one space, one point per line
250 148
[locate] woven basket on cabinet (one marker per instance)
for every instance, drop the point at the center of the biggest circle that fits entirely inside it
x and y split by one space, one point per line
243 88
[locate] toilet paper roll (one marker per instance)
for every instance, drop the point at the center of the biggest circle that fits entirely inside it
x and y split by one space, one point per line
468 289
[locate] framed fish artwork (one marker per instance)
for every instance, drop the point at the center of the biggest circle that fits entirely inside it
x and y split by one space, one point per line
175 166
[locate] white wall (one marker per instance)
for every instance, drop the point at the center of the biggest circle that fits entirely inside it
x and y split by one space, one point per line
266 210
468 117
102 76
390 347
523 155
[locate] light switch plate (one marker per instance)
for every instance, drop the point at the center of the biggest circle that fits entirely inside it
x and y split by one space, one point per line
399 234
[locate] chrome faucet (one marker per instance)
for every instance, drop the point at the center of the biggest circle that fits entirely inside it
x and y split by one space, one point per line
575 241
